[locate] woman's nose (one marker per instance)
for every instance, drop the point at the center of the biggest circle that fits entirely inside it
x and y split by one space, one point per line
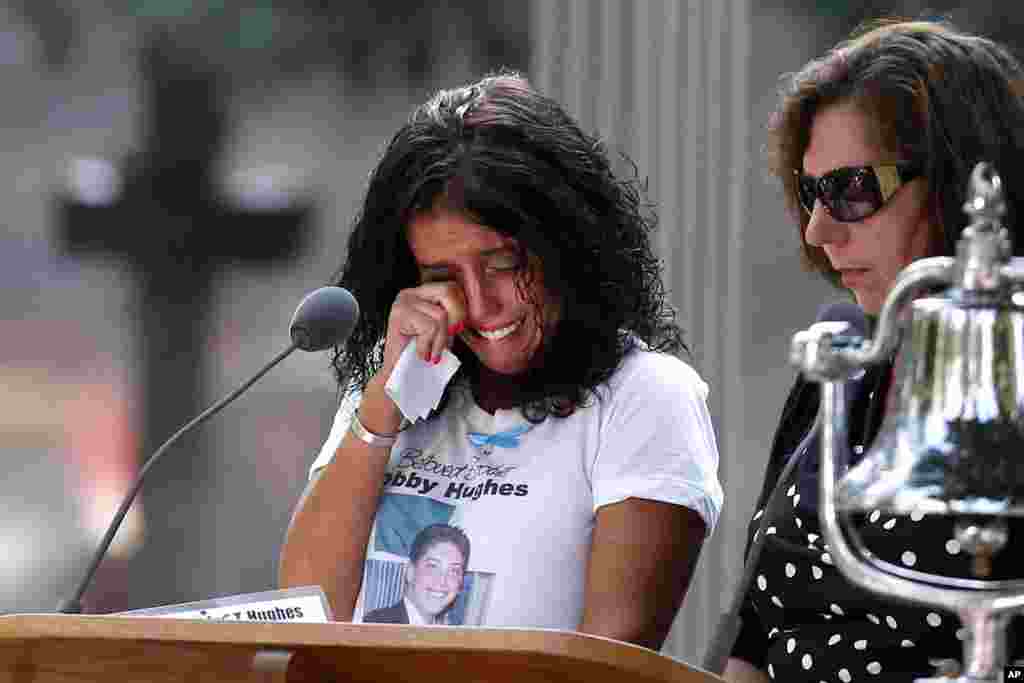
823 229
481 299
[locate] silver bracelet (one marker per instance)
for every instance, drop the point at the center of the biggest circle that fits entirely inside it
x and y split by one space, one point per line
365 435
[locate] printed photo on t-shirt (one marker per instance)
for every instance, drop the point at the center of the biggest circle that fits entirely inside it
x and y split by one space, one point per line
419 567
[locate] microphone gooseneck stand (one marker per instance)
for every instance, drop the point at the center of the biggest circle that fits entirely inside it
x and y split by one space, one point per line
324 318
728 624
724 636
73 605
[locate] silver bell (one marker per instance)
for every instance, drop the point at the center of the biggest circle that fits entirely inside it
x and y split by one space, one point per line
952 441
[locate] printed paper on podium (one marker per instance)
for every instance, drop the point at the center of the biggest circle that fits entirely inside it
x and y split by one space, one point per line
306 604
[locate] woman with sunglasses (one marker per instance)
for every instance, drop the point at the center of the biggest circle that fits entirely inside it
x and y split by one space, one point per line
873 144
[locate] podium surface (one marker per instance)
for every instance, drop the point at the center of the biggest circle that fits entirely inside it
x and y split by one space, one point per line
40 648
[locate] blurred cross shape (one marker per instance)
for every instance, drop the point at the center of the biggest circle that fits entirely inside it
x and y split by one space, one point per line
164 213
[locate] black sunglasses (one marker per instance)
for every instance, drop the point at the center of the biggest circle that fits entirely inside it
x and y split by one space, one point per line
852 193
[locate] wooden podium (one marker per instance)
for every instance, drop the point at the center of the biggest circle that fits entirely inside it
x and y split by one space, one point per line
40 648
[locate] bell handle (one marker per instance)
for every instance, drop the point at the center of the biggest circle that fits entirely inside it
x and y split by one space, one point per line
1013 270
991 587
921 274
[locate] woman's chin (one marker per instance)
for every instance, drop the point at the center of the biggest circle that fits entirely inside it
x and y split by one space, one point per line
503 357
509 367
869 302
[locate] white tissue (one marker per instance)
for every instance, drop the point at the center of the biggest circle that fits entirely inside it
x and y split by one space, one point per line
416 386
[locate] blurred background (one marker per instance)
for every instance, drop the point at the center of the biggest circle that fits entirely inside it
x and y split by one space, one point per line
177 174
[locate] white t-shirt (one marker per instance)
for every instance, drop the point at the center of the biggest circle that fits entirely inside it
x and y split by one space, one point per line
527 504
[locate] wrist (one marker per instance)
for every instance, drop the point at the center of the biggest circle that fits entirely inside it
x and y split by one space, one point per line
373 439
377 412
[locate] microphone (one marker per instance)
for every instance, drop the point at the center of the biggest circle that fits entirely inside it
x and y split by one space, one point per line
728 627
324 318
845 312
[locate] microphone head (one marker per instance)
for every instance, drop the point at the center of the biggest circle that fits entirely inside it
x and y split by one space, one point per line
847 312
325 318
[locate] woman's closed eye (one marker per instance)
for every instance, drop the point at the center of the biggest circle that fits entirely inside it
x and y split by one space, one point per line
432 275
505 261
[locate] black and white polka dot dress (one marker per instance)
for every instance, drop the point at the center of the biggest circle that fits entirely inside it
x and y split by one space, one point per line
802 620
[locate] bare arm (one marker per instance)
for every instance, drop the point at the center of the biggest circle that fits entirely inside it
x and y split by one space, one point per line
741 671
641 560
326 541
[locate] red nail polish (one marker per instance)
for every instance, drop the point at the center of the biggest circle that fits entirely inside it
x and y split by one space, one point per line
437 359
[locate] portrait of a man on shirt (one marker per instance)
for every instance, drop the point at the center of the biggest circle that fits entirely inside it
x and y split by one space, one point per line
433 578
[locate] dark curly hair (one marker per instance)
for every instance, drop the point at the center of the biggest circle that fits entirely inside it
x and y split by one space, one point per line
516 162
937 96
